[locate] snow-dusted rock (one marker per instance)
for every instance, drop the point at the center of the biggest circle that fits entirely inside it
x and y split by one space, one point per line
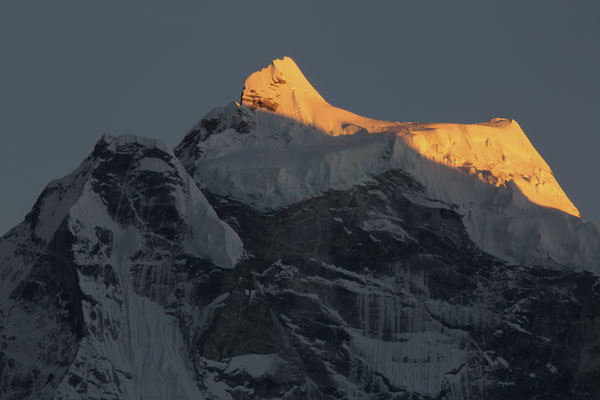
365 270
285 143
76 322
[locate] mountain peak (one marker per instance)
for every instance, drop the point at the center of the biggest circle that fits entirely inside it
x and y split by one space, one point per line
282 88
275 84
489 170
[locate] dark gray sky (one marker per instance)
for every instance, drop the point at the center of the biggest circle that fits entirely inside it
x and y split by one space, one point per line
72 70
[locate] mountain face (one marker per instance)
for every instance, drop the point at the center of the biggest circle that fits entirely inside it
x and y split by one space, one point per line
288 249
284 143
75 321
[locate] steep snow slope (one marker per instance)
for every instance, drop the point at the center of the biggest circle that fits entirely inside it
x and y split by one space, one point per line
282 88
75 323
284 143
497 151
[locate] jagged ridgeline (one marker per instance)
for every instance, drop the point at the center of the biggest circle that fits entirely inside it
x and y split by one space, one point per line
288 249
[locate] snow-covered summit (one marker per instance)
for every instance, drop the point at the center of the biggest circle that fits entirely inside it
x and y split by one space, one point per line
282 88
93 194
285 143
126 222
496 151
276 83
121 283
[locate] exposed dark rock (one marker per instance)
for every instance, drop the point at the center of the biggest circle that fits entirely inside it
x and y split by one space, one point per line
372 292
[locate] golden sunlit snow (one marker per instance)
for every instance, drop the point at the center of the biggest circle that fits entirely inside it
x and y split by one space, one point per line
497 152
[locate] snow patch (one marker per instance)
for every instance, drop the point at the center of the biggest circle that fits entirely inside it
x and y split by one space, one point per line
153 165
255 365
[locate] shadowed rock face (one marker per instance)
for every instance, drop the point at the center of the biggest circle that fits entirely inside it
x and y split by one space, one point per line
371 292
411 309
72 324
41 321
